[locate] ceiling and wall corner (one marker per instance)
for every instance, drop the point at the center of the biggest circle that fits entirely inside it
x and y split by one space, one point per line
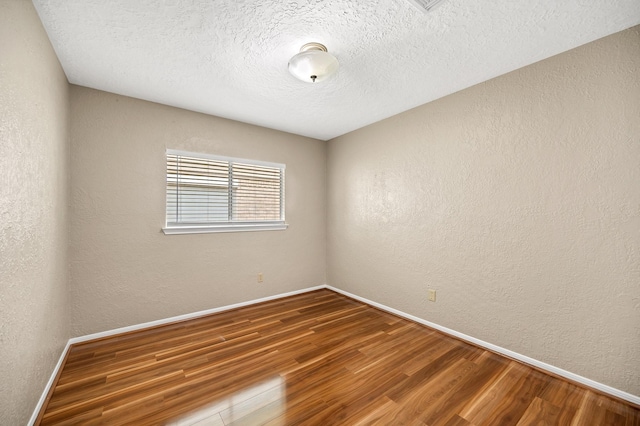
245 78
229 58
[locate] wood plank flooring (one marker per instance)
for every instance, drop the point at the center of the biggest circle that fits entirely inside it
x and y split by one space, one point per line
314 359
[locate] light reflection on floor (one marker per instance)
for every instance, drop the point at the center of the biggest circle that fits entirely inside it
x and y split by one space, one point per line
263 401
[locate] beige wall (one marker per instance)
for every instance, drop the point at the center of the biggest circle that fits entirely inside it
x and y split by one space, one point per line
124 270
518 200
34 323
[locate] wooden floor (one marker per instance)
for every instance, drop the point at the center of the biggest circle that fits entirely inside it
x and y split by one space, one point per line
314 359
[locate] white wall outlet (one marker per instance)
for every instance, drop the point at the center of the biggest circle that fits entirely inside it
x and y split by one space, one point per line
260 277
431 295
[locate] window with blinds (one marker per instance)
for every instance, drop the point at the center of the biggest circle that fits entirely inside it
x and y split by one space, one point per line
207 193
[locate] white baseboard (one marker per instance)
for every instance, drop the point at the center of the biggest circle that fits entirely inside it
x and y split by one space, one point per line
188 316
144 325
43 397
525 359
522 358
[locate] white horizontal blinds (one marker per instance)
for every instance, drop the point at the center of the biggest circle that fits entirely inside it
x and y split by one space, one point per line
215 190
258 195
196 190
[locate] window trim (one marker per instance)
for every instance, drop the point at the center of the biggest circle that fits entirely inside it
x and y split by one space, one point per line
272 225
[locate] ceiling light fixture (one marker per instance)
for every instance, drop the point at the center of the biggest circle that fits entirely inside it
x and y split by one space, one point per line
313 63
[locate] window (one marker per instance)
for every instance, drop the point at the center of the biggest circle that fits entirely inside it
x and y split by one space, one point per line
208 193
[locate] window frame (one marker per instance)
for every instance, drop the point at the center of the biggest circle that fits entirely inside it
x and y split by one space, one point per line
226 226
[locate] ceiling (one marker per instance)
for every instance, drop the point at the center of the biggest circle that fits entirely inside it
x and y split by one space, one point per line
229 57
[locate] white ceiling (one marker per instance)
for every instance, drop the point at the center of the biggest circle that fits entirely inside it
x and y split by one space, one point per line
229 57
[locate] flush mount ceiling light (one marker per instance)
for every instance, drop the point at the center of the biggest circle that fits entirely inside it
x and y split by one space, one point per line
313 63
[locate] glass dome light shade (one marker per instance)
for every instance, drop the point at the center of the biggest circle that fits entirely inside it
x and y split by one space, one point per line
313 63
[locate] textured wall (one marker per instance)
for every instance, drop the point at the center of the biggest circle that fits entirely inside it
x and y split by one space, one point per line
124 270
518 200
34 108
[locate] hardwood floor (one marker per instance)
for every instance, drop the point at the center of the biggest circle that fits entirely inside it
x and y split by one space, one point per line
314 359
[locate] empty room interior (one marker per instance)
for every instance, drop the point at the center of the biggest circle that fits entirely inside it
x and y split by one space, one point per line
320 212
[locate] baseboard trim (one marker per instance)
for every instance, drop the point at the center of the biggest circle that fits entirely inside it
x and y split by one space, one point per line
115 331
47 389
189 316
503 351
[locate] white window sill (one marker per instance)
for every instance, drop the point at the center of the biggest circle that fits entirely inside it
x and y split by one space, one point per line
174 230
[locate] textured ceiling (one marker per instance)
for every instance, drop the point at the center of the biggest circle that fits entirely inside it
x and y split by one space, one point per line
229 57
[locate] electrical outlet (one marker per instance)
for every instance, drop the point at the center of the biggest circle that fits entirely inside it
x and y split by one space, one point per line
431 295
260 277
